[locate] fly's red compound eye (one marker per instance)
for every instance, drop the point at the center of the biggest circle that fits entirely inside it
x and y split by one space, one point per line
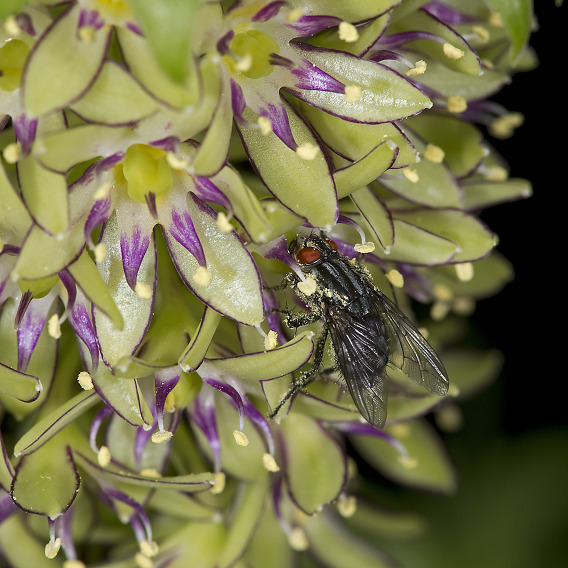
307 255
332 244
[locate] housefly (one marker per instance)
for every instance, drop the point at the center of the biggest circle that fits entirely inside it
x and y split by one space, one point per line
368 331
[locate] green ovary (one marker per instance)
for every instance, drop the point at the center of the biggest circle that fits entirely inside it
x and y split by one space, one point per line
146 170
259 46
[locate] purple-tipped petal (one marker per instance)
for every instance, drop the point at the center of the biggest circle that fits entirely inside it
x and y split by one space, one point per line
310 25
280 123
223 43
30 328
25 130
269 11
232 393
208 191
90 18
133 248
96 425
203 415
447 14
277 249
312 78
181 228
80 320
99 213
164 380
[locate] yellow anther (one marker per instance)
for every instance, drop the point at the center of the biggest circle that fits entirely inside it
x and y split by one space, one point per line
223 223
53 327
52 548
297 539
12 153
104 456
365 247
100 252
456 103
161 437
202 276
241 438
464 271
265 125
395 278
434 154
269 463
410 174
481 33
452 52
271 340
308 286
85 381
418 69
307 151
143 290
353 93
219 484
347 506
348 32
504 126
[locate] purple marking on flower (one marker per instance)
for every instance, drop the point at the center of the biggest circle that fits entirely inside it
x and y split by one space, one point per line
29 330
133 27
63 531
258 419
183 231
272 317
25 23
203 415
231 392
447 14
100 212
25 131
141 441
394 41
7 507
238 101
90 18
70 287
223 43
208 191
168 144
280 123
279 60
312 78
269 11
164 380
310 25
358 428
133 248
277 249
83 327
141 516
96 425
150 198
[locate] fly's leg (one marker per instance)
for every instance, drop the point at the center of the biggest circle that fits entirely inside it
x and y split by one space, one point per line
305 379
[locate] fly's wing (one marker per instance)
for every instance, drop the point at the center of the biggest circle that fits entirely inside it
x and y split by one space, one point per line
362 363
408 350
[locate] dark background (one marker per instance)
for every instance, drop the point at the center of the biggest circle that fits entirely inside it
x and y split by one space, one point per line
511 455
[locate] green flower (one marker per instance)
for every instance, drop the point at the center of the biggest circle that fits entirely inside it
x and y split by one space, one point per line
156 162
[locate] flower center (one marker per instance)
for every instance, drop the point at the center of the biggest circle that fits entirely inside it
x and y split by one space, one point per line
146 171
253 50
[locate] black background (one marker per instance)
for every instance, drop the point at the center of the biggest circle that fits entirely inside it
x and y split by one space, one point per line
527 320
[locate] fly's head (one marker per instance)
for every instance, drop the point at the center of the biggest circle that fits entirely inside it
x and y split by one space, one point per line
311 251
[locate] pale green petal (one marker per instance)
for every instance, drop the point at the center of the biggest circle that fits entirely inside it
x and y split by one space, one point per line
424 463
315 463
114 98
62 65
386 95
47 480
304 186
45 194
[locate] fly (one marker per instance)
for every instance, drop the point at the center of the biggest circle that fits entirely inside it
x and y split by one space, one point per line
369 333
